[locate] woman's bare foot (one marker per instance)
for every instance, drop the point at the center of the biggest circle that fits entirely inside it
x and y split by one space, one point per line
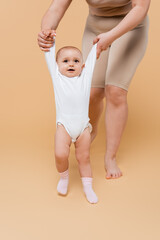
112 170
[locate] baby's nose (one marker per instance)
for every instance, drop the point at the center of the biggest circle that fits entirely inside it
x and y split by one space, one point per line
71 63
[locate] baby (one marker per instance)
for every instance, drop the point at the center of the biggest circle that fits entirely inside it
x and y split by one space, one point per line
72 83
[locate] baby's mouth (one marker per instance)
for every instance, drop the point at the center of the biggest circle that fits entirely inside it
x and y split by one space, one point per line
70 70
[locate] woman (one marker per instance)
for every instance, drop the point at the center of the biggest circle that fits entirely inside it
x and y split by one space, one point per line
121 28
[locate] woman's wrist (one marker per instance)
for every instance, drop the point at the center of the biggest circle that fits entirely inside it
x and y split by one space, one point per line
110 37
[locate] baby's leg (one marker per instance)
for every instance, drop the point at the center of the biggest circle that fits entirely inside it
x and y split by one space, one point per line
82 151
62 147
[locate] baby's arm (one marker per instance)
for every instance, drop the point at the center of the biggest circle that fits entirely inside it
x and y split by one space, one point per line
51 62
91 60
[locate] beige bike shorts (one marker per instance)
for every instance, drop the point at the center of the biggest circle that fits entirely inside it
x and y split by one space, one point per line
117 65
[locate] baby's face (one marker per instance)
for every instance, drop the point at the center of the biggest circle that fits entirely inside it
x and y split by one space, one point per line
70 62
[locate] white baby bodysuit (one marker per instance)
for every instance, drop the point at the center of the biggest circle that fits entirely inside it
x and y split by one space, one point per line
72 94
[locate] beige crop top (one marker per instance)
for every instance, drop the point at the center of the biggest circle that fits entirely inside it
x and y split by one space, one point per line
109 8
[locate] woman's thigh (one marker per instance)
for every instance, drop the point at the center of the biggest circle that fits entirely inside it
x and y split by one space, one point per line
125 54
99 73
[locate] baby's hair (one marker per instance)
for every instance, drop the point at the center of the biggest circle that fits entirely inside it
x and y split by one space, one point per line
66 47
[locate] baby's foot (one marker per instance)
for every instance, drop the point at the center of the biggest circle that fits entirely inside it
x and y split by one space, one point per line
90 195
112 170
62 186
87 187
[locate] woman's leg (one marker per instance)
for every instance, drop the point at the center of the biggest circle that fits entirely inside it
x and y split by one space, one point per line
95 108
125 55
99 74
115 120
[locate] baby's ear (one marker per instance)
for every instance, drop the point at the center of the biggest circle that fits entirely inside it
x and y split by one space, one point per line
83 65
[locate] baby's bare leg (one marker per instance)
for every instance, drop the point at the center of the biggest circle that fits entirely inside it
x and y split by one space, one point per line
82 151
62 147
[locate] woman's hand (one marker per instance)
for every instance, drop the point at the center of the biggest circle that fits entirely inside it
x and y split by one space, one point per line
130 21
104 41
45 39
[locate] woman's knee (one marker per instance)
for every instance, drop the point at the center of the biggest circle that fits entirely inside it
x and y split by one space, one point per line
97 95
115 95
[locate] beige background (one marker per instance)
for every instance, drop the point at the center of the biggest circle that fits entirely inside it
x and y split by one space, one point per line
30 208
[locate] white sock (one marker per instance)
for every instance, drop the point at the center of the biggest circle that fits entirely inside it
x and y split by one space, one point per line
87 187
62 186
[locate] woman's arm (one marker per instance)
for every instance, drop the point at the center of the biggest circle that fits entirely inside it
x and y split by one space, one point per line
50 21
131 20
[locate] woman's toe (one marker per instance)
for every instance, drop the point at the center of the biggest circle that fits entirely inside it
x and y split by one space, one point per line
108 176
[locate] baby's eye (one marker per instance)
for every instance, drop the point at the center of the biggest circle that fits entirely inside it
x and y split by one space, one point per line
65 60
76 60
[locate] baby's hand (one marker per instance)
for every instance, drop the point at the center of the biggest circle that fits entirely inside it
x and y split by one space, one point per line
49 33
45 39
